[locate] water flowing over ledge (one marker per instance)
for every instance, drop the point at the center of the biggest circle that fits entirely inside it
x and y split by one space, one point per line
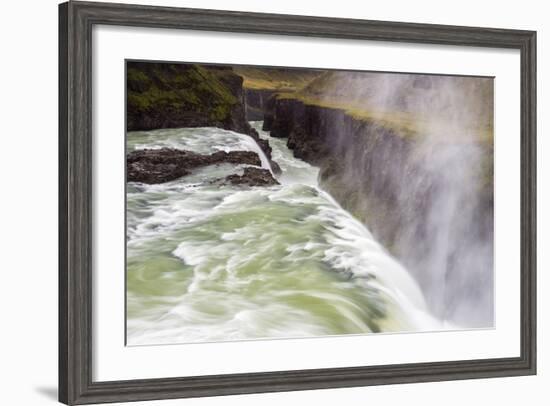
217 263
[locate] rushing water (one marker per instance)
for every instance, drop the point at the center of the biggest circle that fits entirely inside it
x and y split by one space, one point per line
214 263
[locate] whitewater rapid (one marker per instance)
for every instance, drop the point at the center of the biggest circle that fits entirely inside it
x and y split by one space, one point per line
215 263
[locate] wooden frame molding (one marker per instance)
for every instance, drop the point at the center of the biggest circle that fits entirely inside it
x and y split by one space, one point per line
76 20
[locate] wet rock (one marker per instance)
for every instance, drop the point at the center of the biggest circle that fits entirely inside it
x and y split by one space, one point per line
275 167
253 177
163 165
266 148
287 113
269 112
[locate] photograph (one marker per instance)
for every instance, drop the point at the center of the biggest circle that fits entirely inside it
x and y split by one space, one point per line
283 202
256 202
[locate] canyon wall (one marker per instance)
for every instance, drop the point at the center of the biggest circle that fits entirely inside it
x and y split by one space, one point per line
429 203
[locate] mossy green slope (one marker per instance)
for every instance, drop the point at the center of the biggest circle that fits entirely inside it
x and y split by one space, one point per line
164 95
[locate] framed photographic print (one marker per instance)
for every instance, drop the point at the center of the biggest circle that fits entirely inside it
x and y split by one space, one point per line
256 202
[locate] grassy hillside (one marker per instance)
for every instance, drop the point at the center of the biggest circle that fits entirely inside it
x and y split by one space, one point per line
461 109
277 79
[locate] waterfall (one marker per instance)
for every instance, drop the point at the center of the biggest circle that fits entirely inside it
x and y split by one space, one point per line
214 263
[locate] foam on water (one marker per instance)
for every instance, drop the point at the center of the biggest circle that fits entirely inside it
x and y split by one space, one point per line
214 263
205 140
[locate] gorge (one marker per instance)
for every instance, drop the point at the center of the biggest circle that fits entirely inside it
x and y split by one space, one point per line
320 202
411 156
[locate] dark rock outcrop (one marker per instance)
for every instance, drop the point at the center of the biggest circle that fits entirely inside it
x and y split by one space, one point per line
269 112
163 165
275 167
165 95
253 177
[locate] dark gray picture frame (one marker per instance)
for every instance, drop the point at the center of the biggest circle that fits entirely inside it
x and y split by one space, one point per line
76 20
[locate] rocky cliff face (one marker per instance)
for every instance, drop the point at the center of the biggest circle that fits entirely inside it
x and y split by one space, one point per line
164 95
438 224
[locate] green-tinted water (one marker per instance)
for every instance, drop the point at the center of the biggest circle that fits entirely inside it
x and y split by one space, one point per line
213 263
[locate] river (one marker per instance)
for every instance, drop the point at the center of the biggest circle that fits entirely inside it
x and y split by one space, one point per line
216 263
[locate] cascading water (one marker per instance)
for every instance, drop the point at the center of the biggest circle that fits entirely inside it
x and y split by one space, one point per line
214 263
